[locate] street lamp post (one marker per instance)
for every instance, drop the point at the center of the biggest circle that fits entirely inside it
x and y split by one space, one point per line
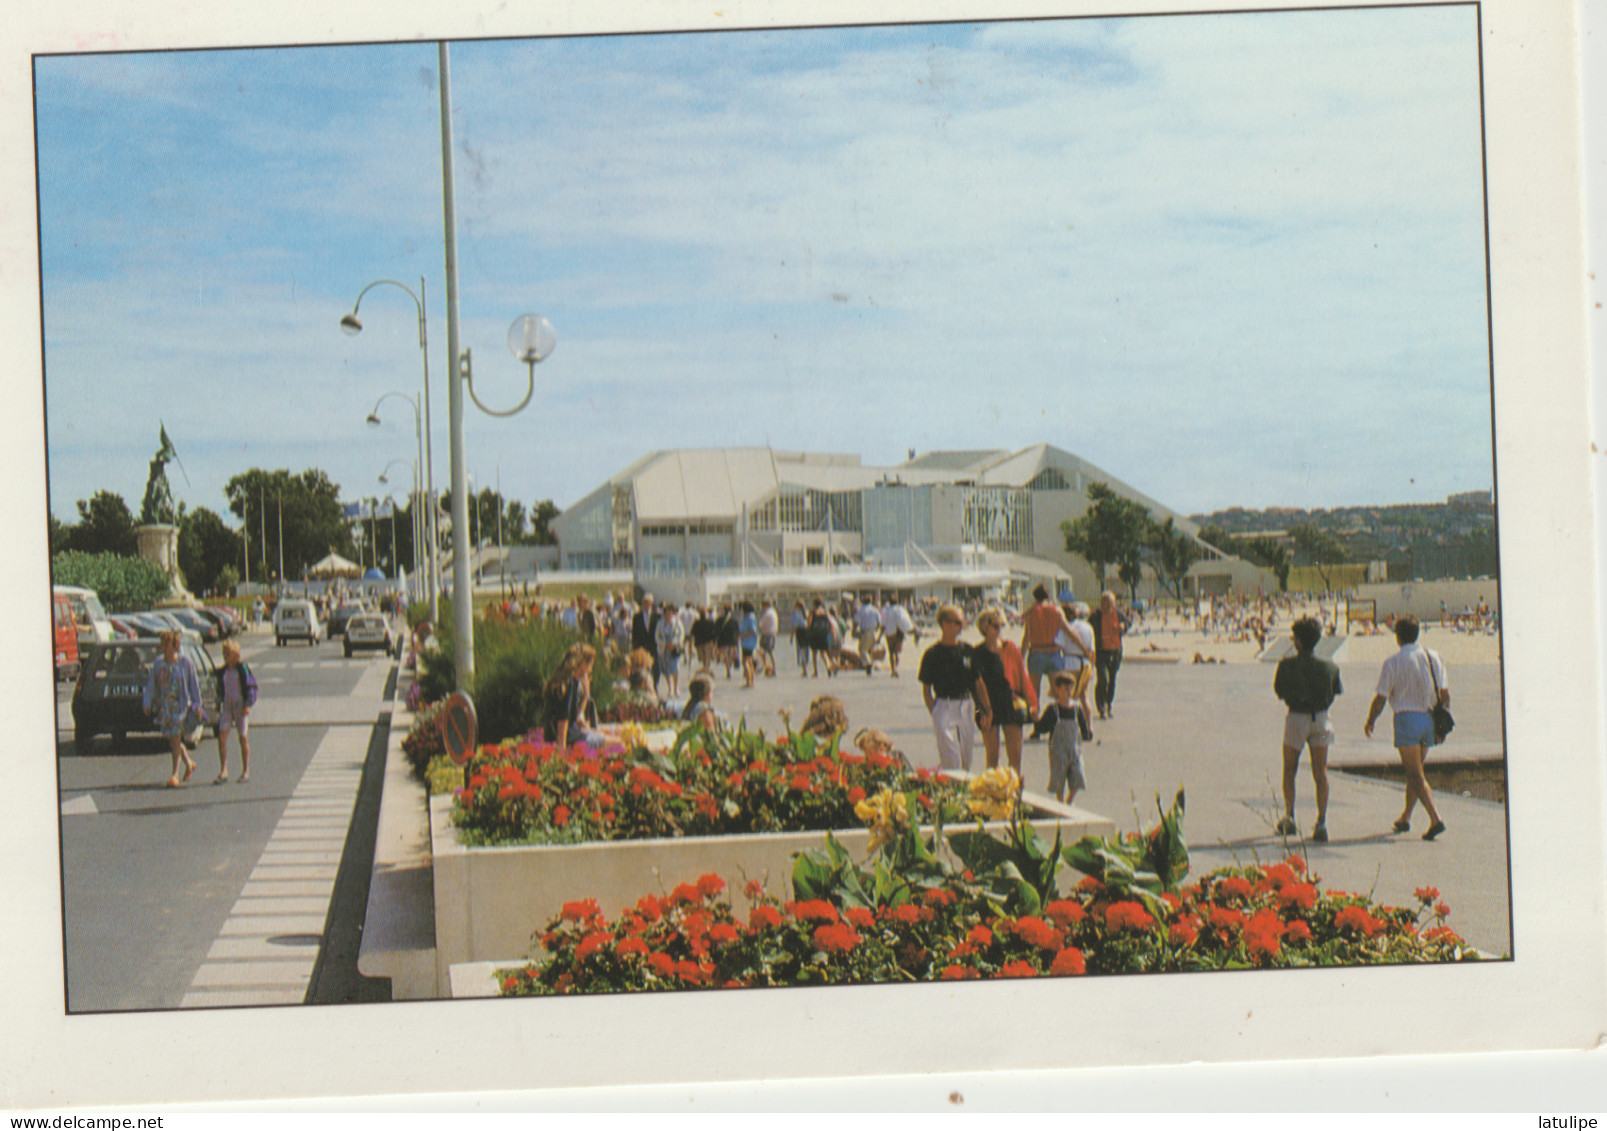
413 558
351 325
531 338
418 435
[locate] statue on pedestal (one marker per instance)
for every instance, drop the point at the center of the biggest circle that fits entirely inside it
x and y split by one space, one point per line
158 505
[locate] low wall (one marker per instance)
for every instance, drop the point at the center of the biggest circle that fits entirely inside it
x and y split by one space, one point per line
1423 598
489 901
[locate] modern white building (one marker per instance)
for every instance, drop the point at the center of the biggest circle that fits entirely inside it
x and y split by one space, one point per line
697 524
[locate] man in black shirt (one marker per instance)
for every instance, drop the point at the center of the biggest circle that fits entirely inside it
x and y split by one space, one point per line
1307 686
644 633
949 679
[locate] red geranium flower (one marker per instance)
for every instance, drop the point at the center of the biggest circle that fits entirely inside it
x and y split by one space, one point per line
980 937
1302 896
710 885
1297 864
591 944
1183 932
685 893
763 918
581 909
856 795
753 889
1069 961
1234 888
1427 895
1442 910
814 911
1357 920
860 917
560 816
724 933
1089 884
1033 930
909 914
629 947
1128 915
1067 912
1225 920
937 897
836 938
1298 931
1018 969
958 973
649 907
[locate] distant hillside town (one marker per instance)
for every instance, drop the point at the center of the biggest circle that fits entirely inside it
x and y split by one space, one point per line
1416 541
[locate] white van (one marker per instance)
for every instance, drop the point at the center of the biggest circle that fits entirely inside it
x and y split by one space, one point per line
91 621
295 619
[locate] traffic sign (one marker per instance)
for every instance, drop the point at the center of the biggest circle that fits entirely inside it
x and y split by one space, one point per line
458 726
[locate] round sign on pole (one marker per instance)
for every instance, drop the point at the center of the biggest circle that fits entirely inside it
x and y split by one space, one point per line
458 726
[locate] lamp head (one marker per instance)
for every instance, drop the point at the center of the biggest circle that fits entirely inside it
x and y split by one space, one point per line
382 478
373 418
350 325
531 338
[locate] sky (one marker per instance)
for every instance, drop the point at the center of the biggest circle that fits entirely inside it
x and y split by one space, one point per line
1229 259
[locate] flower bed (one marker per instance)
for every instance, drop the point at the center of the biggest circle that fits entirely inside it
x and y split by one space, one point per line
707 784
540 827
910 916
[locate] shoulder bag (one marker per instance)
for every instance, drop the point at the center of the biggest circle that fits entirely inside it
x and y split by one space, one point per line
1443 722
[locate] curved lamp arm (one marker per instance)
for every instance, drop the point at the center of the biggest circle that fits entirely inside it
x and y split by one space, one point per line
351 325
373 417
466 369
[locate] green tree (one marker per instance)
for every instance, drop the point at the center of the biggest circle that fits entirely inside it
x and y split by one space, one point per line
123 584
206 546
1268 553
105 526
1318 549
541 516
1112 531
307 504
1173 553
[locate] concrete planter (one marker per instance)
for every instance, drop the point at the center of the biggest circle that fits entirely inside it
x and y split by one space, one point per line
489 901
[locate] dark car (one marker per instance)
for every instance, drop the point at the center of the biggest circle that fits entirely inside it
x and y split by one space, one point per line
203 626
107 698
344 612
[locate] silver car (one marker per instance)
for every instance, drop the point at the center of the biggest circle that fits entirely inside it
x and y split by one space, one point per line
369 631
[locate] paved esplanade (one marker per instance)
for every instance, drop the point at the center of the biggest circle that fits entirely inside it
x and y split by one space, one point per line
1216 730
218 895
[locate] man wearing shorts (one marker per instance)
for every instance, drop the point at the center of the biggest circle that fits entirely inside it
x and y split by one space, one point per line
1307 686
868 627
1412 681
896 624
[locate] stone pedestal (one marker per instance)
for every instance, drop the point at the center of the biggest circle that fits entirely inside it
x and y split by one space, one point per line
159 543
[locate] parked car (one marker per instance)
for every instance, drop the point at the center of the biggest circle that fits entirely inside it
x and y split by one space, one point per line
88 616
296 619
123 628
111 686
223 618
203 626
66 637
369 631
167 622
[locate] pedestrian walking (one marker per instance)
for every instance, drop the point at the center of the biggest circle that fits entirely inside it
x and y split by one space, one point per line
1307 685
769 626
1412 683
954 693
896 624
237 694
172 700
1109 623
1011 695
868 627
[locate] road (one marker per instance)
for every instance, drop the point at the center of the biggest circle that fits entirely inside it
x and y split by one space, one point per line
221 894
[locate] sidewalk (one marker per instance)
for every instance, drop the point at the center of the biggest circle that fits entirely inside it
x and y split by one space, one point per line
1215 730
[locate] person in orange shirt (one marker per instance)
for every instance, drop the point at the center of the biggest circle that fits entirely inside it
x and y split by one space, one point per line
1109 624
1041 624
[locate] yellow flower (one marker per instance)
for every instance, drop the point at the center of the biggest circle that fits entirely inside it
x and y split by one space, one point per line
992 794
886 813
633 735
